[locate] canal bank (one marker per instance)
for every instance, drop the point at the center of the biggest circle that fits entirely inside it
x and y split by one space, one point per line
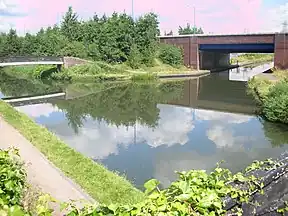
103 185
41 174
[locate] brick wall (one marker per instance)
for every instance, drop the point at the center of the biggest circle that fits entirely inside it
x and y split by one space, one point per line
190 44
72 61
236 39
281 51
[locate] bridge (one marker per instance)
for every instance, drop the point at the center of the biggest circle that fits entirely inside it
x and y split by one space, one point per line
213 51
45 60
16 61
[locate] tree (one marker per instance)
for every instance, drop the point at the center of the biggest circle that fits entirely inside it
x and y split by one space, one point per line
169 33
189 30
12 45
70 25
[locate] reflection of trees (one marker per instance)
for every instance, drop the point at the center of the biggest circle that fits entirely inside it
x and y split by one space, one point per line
276 133
122 105
11 86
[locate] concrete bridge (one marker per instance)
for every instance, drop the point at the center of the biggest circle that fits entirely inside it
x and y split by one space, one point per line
213 51
45 60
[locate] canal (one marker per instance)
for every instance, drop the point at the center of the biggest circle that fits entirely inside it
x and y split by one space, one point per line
151 130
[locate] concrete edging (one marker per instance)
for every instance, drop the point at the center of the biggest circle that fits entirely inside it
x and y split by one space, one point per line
194 74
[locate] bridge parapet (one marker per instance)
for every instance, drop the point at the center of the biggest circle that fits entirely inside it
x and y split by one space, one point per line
30 59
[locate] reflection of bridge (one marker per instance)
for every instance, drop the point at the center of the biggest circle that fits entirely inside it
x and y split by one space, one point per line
213 92
35 99
16 61
216 93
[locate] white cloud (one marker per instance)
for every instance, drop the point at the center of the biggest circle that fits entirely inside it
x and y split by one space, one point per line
37 110
101 140
274 18
231 118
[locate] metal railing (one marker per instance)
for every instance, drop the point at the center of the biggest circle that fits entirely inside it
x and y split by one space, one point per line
30 59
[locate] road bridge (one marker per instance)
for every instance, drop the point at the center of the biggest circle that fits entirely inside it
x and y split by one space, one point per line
213 51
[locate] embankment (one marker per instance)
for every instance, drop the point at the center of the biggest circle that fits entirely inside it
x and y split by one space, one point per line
103 185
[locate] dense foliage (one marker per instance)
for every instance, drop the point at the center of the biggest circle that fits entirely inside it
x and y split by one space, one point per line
12 183
195 192
275 106
189 30
171 55
112 39
271 97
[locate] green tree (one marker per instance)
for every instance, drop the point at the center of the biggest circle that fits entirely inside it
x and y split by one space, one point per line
70 26
146 37
189 30
12 43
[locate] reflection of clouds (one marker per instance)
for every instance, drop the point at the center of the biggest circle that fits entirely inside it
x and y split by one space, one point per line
101 140
220 131
173 127
167 163
208 115
37 110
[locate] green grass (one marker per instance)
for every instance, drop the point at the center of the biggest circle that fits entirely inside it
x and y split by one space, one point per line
30 71
259 88
144 77
281 74
252 58
103 185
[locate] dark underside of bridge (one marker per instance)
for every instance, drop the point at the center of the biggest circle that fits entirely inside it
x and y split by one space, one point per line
238 48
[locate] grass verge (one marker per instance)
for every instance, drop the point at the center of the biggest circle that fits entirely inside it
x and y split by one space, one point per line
103 185
252 58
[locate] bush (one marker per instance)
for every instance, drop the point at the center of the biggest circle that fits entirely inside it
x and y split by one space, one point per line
12 182
171 55
275 105
134 59
195 192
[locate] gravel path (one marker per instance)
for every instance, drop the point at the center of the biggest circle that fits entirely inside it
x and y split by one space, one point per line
41 173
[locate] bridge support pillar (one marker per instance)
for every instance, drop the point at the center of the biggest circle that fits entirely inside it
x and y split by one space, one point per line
281 51
59 67
212 60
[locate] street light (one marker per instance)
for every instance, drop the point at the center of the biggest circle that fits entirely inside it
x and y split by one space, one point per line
133 9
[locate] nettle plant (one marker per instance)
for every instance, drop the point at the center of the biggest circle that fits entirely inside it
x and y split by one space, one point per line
196 192
12 182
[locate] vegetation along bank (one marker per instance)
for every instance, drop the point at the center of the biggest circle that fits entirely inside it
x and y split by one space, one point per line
270 92
194 193
103 185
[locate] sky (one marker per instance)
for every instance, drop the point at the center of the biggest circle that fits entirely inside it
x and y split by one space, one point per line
214 16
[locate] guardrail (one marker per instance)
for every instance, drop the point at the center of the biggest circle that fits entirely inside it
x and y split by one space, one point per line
30 59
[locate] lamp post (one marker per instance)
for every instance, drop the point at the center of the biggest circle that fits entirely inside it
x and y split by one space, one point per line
194 17
132 9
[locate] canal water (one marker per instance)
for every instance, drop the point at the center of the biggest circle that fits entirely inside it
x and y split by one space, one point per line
152 130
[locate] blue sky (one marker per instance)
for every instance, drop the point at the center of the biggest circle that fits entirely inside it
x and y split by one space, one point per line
221 16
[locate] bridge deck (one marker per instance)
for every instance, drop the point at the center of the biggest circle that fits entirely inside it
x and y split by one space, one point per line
3 64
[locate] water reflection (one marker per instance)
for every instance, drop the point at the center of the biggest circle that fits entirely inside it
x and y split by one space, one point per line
247 72
12 86
150 130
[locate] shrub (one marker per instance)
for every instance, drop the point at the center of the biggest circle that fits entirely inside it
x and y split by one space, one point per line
171 55
144 77
275 105
12 182
134 59
195 192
